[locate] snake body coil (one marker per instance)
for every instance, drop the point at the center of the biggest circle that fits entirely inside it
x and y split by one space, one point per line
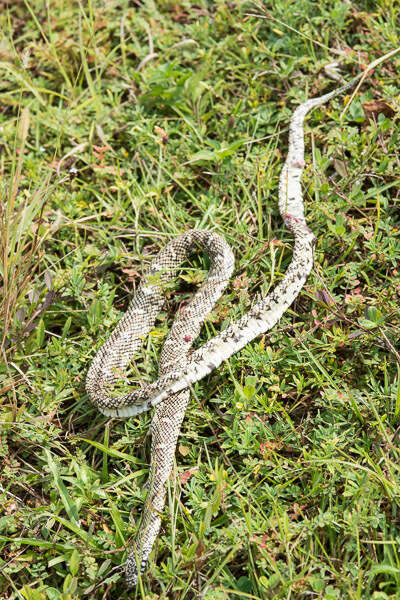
178 370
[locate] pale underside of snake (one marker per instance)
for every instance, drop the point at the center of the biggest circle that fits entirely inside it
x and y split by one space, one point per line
178 368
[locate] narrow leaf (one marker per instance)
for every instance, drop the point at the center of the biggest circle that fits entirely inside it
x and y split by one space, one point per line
69 505
111 451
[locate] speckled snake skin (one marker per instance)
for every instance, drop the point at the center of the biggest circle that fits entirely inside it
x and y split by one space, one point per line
179 369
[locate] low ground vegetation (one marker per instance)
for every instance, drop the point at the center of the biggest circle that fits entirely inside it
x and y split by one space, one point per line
122 124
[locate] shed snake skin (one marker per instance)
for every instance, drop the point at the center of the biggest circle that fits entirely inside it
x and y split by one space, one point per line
178 368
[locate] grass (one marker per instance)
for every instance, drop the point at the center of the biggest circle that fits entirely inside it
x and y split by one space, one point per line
122 124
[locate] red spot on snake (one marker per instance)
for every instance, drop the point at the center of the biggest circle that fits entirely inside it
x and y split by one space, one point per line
300 164
288 218
187 338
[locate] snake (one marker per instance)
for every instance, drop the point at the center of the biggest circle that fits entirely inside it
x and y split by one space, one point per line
180 366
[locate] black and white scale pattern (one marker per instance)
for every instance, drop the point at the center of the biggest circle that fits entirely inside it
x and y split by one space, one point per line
178 370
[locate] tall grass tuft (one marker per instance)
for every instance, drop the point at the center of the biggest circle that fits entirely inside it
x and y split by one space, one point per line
22 233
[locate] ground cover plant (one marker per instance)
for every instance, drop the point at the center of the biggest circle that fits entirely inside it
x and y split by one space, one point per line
122 124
